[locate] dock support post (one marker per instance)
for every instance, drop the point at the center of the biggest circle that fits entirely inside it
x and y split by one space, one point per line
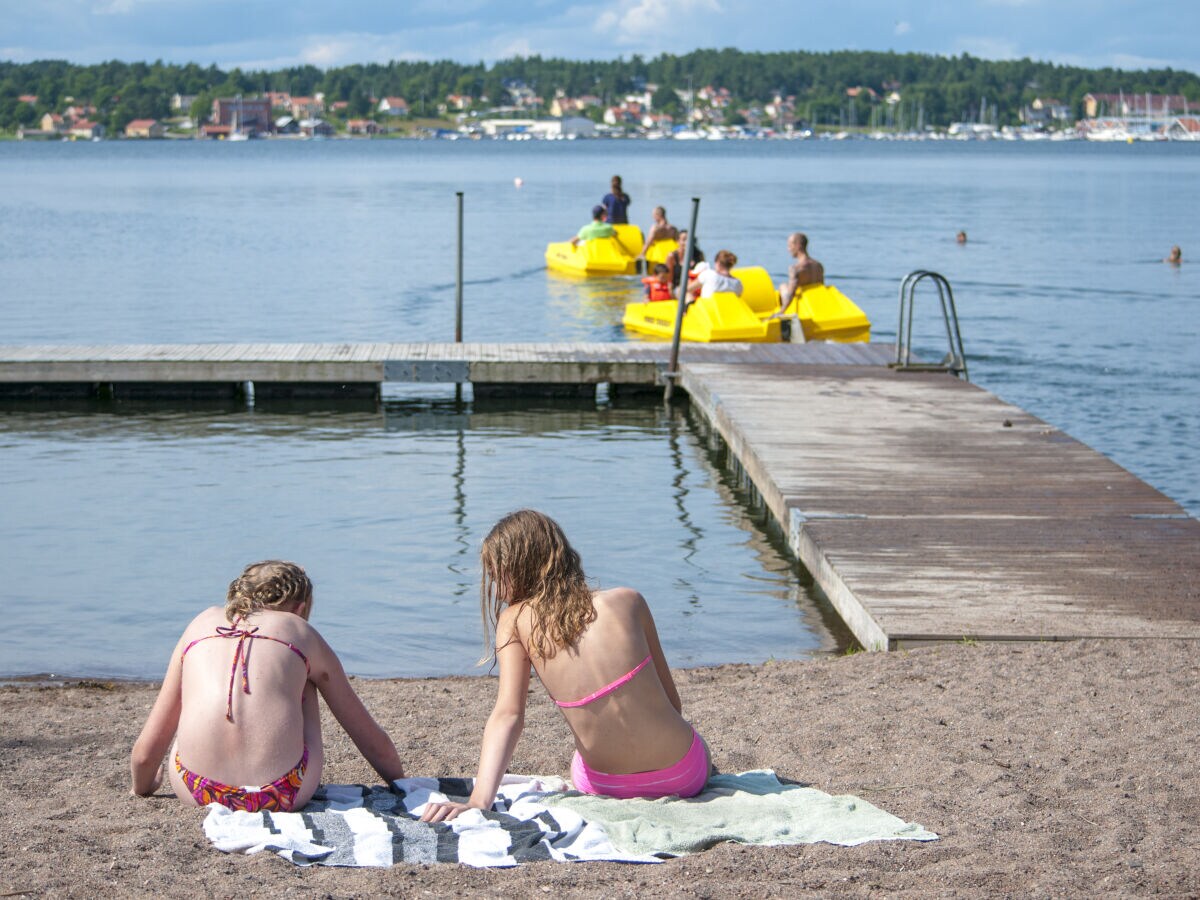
458 291
681 306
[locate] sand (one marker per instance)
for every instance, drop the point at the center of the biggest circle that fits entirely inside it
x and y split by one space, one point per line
1064 769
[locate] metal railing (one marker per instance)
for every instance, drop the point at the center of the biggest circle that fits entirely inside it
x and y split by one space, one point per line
955 361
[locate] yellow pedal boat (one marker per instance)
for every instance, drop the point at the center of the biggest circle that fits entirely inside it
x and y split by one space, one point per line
616 255
821 311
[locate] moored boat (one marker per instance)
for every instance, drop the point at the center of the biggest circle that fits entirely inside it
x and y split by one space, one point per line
818 312
615 255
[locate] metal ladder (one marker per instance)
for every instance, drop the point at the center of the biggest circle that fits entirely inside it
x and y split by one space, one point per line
954 362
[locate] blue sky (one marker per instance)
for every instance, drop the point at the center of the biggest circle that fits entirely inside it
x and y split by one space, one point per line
273 33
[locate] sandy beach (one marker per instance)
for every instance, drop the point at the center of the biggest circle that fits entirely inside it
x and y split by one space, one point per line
1047 769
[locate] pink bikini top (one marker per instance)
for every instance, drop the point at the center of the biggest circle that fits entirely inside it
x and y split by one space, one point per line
608 688
242 654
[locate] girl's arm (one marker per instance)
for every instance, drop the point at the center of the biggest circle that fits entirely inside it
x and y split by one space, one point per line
370 739
503 728
145 762
656 651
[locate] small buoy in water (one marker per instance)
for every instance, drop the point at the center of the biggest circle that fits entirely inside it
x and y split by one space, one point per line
518 181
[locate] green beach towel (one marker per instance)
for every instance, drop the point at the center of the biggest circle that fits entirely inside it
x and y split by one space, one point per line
748 808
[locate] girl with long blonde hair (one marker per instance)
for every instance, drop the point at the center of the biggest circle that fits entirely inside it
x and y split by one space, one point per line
598 655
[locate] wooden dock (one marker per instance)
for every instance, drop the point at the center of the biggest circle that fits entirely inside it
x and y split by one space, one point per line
929 510
926 508
346 364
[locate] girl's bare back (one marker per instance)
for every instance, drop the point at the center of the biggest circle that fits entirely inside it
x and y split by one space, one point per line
636 727
248 710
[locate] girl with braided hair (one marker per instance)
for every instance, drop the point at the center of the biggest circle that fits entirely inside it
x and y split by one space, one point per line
222 732
599 657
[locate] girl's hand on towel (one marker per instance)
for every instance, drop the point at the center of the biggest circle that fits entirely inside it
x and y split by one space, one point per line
443 812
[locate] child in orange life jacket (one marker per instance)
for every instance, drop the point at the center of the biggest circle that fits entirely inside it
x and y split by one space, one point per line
658 286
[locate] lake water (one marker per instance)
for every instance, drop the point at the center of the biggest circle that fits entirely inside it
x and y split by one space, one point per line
117 526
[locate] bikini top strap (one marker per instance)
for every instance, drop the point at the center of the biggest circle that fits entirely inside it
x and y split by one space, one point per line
242 654
608 688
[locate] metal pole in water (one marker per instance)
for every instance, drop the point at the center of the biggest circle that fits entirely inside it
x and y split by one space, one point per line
673 369
458 291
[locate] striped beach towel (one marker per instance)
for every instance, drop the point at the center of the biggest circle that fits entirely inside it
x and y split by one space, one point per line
357 825
540 818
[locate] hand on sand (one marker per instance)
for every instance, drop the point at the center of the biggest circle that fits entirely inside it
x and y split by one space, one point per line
154 785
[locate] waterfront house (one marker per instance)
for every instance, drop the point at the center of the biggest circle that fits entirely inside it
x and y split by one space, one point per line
1122 104
500 127
362 126
214 132
53 122
145 128
1042 111
308 107
85 130
570 126
286 125
1184 128
316 128
393 106
252 115
279 99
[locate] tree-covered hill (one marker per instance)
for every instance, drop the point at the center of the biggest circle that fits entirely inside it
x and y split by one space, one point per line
944 88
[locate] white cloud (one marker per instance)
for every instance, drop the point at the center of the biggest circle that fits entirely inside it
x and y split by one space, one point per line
328 53
122 7
508 47
650 22
902 28
986 47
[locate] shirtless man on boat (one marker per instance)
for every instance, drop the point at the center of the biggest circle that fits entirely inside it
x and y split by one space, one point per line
660 229
803 272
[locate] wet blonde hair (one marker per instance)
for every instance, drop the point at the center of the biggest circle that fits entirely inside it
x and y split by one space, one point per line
527 559
269 584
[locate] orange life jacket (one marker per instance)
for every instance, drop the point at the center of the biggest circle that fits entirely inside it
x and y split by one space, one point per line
656 290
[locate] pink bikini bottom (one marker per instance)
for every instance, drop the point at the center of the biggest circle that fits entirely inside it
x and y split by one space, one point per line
685 778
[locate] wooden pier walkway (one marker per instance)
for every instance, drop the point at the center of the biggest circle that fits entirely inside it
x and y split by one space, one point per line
926 508
344 364
930 510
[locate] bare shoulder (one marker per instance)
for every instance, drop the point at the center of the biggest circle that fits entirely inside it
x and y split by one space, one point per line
620 599
509 617
206 621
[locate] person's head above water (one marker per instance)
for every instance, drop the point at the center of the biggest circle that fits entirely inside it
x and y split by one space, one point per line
961 237
1175 256
527 558
271 584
